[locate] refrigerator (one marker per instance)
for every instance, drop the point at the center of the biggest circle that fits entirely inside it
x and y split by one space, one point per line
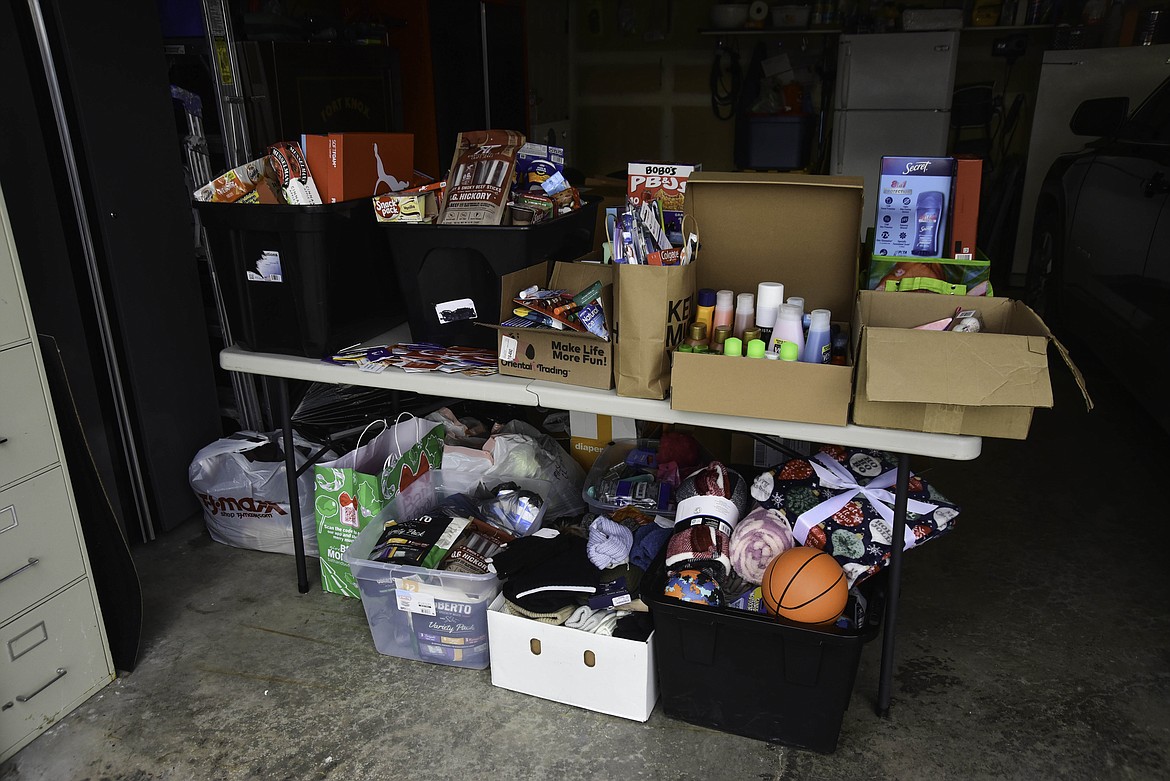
892 97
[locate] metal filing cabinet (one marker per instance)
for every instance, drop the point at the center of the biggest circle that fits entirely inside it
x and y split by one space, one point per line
53 649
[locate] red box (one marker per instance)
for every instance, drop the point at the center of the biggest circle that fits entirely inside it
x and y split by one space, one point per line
965 207
346 166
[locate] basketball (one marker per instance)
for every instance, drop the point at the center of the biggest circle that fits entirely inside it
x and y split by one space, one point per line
805 584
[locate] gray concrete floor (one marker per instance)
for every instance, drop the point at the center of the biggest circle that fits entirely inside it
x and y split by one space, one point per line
1033 643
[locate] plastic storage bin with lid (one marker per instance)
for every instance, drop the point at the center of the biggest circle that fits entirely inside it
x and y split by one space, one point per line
302 280
429 615
626 474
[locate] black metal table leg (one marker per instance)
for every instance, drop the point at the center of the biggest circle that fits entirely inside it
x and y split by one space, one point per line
885 679
294 497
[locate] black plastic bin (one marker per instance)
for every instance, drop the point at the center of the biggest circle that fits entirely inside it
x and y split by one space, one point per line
337 287
450 274
753 675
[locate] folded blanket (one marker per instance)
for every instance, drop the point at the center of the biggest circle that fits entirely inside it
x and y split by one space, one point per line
761 536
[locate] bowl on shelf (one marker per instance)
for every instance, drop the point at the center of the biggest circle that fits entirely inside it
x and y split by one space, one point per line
729 16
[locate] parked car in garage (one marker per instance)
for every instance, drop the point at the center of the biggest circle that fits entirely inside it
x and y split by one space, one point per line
1099 270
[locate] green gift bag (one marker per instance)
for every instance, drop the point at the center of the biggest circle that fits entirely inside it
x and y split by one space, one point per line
351 490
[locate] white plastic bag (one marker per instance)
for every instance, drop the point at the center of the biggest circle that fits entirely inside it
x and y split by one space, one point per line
240 481
518 449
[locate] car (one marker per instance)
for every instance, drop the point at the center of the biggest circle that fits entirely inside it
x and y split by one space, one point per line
1099 267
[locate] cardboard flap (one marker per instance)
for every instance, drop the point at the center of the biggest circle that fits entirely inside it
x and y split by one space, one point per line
1076 372
797 229
993 369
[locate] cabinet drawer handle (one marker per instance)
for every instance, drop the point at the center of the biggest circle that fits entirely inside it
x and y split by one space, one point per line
19 570
26 697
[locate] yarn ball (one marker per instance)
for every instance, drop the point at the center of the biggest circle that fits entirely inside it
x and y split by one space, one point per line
806 585
715 479
694 585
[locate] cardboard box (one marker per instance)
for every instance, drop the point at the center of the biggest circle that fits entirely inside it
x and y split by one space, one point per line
982 384
965 214
589 434
565 356
360 165
790 228
605 674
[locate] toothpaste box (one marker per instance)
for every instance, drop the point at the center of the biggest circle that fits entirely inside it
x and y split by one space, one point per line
666 184
913 206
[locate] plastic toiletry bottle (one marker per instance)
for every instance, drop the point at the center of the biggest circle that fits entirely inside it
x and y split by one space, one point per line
745 313
733 346
788 328
751 333
817 344
722 334
697 335
724 311
769 297
929 216
839 349
755 348
705 310
685 348
789 351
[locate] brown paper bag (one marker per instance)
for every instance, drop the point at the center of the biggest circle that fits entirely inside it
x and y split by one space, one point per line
654 306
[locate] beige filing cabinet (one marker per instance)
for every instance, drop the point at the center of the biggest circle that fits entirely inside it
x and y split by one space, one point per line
53 649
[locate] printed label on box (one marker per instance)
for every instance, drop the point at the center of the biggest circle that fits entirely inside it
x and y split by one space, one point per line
455 310
507 348
914 200
413 602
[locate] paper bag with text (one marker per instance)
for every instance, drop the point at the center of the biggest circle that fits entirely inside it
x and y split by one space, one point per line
654 307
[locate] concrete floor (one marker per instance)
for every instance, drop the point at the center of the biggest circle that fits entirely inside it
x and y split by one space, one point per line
1033 643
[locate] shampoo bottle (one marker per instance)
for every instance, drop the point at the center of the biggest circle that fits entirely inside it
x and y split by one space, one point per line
745 314
788 328
724 311
817 347
705 310
769 297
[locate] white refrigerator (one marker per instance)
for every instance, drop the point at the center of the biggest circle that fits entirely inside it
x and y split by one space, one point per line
892 97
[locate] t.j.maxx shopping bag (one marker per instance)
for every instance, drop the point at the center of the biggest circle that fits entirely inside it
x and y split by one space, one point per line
351 490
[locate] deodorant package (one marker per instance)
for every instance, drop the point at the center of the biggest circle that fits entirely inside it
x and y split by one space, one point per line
913 206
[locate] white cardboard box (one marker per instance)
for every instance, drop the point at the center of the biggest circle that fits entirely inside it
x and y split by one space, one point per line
605 674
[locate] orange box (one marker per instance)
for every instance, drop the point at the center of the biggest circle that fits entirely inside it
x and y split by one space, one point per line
362 165
965 207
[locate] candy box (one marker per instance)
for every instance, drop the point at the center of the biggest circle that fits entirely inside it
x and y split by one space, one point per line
841 500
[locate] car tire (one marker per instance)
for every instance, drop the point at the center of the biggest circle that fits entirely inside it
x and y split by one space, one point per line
1042 281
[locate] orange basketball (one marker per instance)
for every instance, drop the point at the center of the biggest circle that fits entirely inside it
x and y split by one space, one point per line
805 584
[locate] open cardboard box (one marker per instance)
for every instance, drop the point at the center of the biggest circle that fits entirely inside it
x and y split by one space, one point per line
982 384
565 356
796 229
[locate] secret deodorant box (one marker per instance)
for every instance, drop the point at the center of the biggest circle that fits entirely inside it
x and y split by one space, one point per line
913 206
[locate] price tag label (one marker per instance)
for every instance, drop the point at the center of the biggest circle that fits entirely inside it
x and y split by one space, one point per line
507 348
413 602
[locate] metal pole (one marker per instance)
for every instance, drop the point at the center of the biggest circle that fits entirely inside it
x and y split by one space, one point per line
294 497
895 583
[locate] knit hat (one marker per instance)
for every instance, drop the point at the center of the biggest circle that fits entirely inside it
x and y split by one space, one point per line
609 543
525 551
699 546
694 585
556 617
547 584
713 492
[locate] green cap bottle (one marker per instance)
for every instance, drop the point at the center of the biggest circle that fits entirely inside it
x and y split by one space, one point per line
733 346
789 351
755 348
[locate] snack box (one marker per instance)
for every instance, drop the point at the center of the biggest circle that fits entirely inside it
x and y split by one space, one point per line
564 356
800 230
982 384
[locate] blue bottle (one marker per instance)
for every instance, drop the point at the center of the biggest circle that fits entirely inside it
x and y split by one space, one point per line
817 346
929 211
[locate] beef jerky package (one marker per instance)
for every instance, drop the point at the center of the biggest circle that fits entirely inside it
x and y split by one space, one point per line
482 170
